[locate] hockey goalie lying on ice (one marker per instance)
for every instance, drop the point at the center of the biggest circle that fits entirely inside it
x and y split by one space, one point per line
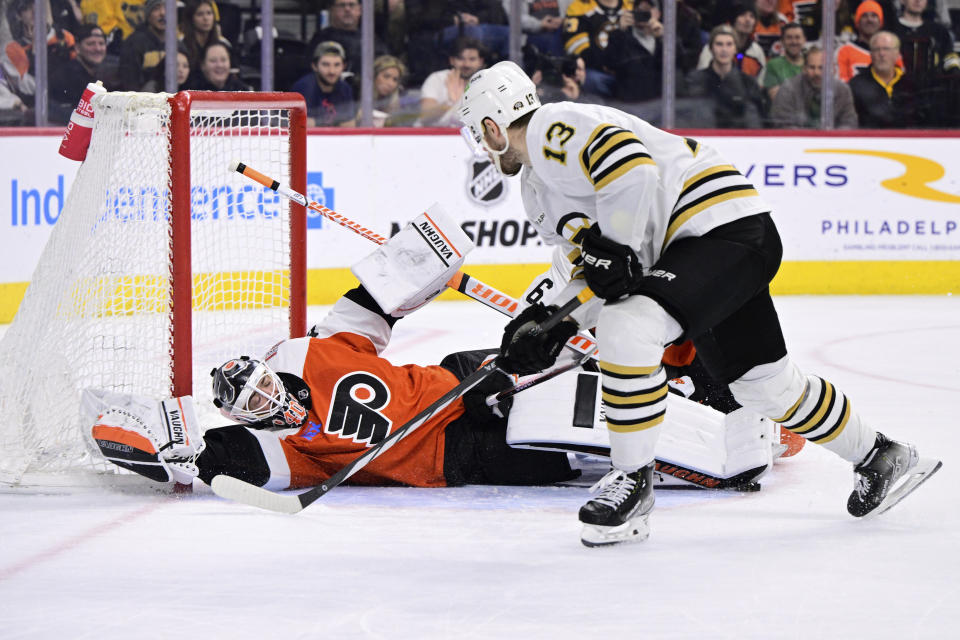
311 405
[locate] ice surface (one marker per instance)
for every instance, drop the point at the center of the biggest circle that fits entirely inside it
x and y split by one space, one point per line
487 562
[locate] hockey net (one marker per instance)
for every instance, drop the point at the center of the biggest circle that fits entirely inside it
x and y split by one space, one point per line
162 265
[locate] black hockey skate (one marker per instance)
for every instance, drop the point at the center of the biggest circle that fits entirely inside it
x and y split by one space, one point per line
621 511
890 472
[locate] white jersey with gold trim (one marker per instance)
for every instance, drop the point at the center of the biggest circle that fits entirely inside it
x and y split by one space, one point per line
645 187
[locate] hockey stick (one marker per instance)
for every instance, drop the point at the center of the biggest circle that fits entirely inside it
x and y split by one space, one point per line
494 398
240 491
462 282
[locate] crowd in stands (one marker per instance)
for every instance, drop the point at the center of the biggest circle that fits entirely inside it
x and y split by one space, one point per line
738 64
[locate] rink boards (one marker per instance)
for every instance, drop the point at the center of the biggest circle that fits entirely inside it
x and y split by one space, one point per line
857 213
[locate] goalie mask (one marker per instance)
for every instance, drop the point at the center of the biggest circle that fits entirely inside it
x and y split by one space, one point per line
249 391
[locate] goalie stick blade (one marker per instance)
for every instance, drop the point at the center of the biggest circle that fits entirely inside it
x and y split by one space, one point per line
925 468
240 491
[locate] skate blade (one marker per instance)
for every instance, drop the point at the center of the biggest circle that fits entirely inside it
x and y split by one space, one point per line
919 474
634 530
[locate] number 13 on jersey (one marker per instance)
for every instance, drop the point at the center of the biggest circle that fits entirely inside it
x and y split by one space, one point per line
557 135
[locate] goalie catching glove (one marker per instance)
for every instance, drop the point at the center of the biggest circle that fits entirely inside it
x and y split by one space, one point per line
157 440
612 270
524 351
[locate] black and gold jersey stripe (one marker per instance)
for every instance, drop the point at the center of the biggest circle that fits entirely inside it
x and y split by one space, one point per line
609 153
734 186
571 225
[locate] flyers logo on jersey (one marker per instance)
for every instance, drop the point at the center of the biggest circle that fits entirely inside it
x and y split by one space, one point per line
355 408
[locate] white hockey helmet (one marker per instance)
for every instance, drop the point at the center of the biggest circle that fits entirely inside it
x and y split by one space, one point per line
248 390
502 93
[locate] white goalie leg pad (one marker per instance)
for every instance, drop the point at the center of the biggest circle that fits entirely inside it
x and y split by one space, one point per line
566 414
413 267
157 440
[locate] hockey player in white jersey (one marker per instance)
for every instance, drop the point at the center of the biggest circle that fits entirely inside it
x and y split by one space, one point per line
676 243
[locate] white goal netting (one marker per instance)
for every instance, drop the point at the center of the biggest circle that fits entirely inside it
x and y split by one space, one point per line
97 312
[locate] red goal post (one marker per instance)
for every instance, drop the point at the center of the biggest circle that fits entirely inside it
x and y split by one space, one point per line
162 265
182 105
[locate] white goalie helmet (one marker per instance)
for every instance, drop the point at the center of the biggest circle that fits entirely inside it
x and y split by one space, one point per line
247 390
502 93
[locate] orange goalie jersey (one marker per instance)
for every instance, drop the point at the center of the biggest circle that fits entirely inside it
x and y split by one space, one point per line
357 399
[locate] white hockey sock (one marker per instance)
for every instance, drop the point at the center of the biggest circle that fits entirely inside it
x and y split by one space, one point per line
635 400
824 416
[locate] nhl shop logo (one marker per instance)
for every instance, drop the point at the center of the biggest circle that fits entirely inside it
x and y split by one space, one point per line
485 184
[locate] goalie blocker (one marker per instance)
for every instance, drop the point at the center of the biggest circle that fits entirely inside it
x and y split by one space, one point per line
413 267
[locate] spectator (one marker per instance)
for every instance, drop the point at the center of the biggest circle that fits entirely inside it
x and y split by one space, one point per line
186 79
483 20
560 80
541 23
768 30
119 19
845 29
587 30
12 109
885 96
721 95
635 54
690 36
344 29
199 28
797 104
807 14
442 90
69 79
790 64
17 56
390 24
216 70
749 57
854 56
65 14
425 19
17 59
391 106
926 47
330 100
143 50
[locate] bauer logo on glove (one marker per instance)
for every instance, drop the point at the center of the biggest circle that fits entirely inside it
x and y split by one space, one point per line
612 270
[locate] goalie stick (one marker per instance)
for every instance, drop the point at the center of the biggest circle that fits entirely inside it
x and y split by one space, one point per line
533 381
240 491
462 282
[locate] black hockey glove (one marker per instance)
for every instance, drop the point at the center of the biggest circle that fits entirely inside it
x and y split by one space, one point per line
475 400
612 270
523 352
